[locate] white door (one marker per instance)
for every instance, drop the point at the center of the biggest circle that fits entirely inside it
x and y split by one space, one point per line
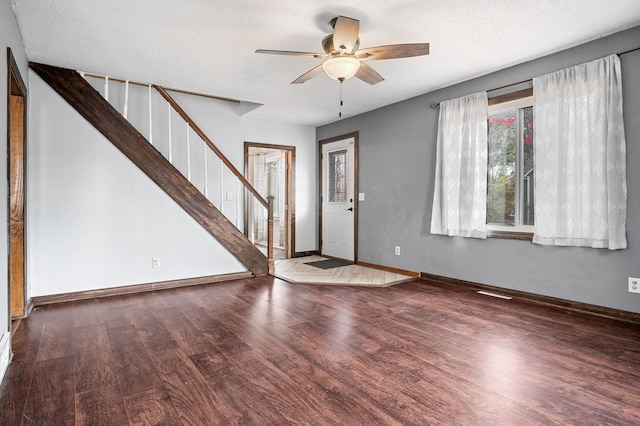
338 207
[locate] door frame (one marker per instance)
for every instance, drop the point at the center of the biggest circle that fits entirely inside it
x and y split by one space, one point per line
290 205
16 87
321 143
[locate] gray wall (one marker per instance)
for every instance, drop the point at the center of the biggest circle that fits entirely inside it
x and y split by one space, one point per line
396 172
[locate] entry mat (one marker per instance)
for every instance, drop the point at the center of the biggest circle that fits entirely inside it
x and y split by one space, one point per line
329 263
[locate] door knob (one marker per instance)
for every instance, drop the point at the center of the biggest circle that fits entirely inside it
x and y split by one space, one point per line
350 209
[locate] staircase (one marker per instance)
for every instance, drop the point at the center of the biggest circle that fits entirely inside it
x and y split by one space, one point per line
123 135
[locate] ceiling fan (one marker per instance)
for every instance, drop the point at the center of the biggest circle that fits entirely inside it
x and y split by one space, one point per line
343 58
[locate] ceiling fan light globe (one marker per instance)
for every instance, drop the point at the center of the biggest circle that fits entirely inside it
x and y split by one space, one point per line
341 67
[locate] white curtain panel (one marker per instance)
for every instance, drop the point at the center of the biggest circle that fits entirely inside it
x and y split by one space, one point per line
460 194
580 157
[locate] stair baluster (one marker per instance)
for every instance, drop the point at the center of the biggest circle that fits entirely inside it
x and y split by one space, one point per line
126 99
150 117
170 135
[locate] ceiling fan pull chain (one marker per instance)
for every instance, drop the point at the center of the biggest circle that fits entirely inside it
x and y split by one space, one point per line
341 103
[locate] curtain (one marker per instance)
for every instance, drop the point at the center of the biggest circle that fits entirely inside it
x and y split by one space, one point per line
580 157
460 193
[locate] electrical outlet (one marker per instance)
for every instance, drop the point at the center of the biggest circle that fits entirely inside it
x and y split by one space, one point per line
397 250
155 262
634 285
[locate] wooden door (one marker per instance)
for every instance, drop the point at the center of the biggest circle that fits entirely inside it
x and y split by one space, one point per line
258 157
16 170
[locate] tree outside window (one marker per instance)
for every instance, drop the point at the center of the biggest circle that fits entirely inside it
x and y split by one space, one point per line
510 165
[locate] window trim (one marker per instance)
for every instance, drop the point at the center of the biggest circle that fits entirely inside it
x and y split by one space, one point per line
508 97
518 232
510 235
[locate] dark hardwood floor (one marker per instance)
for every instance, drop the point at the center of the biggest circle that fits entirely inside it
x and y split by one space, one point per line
262 351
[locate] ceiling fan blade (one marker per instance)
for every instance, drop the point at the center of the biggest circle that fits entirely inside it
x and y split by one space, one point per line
368 74
291 53
345 33
308 75
393 51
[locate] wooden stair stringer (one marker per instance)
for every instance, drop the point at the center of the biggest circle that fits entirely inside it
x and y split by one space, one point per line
124 136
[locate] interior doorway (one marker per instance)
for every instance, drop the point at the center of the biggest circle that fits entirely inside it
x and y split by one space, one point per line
270 168
16 165
338 197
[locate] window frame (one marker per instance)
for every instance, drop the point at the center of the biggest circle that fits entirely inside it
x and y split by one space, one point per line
521 99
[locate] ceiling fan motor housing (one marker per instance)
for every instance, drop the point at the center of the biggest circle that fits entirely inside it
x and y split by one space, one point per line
329 48
327 44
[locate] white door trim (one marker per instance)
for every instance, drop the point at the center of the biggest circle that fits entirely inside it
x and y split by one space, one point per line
5 353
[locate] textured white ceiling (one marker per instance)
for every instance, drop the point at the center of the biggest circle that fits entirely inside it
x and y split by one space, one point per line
207 46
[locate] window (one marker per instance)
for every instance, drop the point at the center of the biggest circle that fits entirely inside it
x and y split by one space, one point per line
510 197
338 176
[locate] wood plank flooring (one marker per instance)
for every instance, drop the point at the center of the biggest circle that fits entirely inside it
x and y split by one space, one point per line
296 270
263 351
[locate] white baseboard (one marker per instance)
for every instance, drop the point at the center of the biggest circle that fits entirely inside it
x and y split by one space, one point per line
5 353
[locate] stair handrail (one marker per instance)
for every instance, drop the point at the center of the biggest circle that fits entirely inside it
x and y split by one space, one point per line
267 203
210 144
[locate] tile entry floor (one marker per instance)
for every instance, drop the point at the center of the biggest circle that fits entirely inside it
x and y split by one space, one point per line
297 271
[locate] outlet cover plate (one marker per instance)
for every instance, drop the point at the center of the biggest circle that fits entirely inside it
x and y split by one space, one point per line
634 285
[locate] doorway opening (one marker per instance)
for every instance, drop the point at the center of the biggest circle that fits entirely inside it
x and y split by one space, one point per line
16 166
270 168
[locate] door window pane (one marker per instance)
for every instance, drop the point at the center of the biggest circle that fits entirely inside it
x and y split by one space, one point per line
274 172
337 176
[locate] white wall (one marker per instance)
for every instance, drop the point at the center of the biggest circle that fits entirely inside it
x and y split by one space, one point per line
220 121
96 221
9 37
